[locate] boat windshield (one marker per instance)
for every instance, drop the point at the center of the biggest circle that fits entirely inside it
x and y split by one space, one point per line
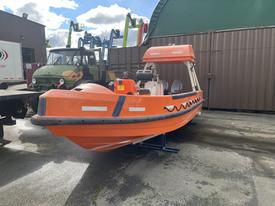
70 57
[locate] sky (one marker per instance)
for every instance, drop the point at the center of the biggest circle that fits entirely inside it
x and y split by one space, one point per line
98 17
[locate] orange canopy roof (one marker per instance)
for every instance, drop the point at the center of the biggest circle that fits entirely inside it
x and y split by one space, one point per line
169 54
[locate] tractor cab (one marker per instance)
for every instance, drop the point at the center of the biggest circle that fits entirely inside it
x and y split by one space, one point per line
68 67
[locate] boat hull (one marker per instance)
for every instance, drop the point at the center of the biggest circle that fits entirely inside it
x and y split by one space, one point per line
103 137
113 127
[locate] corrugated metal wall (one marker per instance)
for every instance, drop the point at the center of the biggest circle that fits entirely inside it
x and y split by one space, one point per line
127 59
236 68
243 67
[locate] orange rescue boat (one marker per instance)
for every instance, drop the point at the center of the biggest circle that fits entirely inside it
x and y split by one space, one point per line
102 119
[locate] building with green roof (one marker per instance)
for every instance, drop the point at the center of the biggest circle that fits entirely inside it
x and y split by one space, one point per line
173 17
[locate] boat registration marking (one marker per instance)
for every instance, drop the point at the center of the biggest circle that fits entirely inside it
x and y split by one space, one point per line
94 108
136 109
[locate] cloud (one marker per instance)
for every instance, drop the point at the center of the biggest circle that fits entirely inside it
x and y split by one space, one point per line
101 15
98 21
31 10
101 20
106 19
39 11
15 4
57 38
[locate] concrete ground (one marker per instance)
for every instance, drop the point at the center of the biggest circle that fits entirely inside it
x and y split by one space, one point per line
224 159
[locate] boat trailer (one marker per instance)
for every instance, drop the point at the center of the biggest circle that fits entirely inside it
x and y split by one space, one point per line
162 146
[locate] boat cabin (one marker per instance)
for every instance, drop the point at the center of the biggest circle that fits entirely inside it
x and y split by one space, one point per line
147 80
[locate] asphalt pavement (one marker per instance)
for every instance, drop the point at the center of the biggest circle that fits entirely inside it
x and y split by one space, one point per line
225 158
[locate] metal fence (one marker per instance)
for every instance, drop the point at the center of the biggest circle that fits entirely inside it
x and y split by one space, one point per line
236 68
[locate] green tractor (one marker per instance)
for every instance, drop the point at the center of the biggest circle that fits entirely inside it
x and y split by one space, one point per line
68 67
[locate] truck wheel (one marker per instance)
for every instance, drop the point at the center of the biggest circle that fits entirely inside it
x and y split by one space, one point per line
34 104
4 85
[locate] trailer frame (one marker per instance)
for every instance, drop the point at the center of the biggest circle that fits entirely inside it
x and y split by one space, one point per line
14 105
